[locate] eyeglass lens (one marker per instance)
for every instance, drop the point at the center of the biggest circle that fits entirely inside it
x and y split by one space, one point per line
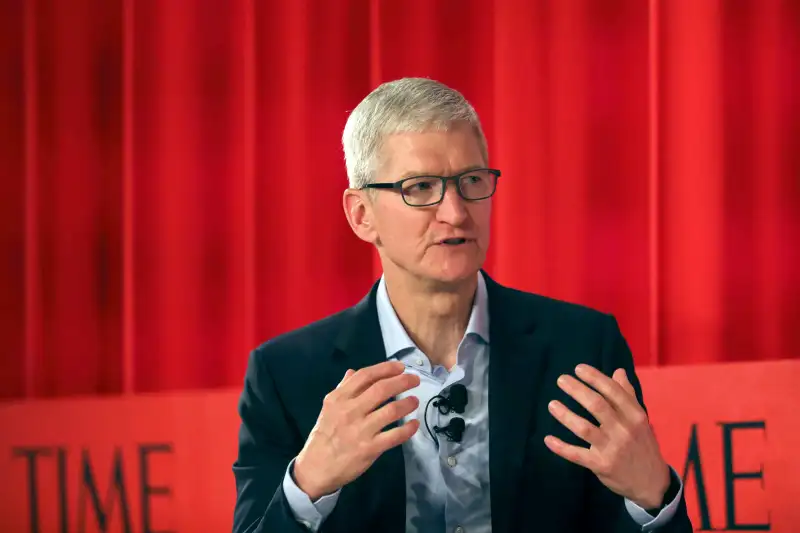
427 190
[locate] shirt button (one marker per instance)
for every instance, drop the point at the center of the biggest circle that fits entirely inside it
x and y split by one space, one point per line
452 461
459 529
419 362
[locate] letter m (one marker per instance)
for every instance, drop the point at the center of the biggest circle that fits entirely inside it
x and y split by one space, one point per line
103 510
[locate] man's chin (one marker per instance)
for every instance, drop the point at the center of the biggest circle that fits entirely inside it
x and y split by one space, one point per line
454 275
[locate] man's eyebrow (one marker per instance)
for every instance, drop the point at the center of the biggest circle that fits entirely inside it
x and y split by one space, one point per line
414 173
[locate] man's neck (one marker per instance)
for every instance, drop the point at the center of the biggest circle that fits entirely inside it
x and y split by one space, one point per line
435 317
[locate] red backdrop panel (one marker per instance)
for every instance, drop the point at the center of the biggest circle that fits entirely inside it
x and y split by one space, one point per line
166 459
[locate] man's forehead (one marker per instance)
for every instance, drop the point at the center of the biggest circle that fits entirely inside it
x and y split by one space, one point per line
419 156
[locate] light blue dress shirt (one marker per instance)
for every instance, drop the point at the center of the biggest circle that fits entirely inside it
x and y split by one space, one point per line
447 489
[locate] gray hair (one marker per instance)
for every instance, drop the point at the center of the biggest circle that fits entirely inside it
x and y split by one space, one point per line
400 106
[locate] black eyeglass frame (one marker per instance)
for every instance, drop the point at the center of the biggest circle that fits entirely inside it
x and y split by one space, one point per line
398 185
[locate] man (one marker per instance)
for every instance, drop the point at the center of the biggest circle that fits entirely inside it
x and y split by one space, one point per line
443 401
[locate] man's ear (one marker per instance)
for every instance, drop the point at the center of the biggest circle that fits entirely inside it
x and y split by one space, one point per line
358 209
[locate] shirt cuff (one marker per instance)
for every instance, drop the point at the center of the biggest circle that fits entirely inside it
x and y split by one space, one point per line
309 514
647 521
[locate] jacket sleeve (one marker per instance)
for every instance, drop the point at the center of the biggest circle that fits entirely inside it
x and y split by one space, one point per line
267 444
607 511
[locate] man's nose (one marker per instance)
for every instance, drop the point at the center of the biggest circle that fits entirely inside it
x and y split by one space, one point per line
452 208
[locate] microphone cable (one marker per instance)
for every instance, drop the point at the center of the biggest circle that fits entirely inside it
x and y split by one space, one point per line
456 402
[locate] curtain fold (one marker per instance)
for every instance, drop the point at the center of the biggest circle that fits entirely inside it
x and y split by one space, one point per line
172 173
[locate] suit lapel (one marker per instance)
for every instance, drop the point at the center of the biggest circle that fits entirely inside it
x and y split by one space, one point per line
379 495
517 363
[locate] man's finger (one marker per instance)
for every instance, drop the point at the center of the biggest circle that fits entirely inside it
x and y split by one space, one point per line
581 427
612 391
347 374
386 440
588 398
621 377
574 454
391 412
365 377
385 389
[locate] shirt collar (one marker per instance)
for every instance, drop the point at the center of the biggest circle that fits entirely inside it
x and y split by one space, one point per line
395 337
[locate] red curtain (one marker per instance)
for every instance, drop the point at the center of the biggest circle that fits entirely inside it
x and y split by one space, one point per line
172 172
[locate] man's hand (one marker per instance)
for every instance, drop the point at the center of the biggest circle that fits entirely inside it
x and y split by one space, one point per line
347 437
624 453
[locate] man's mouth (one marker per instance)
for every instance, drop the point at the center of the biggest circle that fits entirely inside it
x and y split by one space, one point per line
453 242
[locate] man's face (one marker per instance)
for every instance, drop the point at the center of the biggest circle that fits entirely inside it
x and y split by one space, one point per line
411 238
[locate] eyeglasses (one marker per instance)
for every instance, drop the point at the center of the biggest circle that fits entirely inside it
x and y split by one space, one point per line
422 191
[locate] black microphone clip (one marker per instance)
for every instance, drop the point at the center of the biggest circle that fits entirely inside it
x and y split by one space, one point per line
454 431
456 401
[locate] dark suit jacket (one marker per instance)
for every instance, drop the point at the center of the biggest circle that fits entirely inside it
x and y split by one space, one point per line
533 340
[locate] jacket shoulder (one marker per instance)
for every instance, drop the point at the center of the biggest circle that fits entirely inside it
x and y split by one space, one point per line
554 311
319 335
